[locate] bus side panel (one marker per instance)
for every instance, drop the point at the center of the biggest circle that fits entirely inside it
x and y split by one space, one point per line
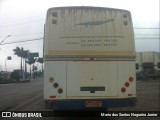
126 70
54 75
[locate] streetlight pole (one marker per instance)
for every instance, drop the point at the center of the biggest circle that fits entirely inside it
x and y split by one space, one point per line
9 57
4 39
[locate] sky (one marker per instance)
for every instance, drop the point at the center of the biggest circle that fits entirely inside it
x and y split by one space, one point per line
25 19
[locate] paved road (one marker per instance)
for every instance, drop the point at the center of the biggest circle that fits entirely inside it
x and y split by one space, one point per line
17 94
148 96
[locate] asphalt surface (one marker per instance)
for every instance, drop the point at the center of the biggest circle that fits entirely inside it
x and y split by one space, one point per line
17 94
148 99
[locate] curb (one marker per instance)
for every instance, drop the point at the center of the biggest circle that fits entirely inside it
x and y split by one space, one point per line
8 82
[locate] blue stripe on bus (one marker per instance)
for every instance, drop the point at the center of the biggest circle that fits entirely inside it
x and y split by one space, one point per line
80 104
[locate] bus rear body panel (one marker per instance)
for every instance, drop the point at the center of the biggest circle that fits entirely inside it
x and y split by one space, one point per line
98 82
89 58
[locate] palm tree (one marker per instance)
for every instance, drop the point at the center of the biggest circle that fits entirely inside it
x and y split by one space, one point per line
40 60
19 52
34 70
30 61
25 56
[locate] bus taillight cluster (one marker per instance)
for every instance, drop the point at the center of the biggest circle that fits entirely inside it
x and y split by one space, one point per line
55 85
127 84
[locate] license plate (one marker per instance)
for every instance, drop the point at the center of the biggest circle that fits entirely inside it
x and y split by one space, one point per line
93 104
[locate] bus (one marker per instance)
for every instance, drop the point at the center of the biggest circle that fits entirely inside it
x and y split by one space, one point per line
89 58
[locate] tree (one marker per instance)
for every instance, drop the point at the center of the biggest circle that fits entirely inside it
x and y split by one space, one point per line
40 60
25 56
19 52
34 69
30 61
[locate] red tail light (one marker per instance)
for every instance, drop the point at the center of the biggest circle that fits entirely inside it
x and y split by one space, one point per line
129 94
123 89
92 59
127 84
131 79
60 90
55 85
52 97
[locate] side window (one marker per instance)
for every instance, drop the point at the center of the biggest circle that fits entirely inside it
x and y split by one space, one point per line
137 66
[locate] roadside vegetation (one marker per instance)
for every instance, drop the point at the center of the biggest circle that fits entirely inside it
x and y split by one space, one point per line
23 73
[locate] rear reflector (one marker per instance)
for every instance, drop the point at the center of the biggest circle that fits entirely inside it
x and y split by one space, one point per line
55 85
127 84
60 90
52 97
51 79
131 79
123 89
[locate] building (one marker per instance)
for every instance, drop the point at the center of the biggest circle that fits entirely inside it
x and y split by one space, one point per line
147 61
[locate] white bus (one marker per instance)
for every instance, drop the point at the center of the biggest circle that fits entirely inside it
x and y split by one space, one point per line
89 58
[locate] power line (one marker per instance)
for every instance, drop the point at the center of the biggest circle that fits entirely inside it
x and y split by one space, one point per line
146 38
146 28
26 34
22 41
42 38
149 35
21 34
43 33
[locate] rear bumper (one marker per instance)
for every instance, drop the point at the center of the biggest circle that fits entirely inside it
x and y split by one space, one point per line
79 104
